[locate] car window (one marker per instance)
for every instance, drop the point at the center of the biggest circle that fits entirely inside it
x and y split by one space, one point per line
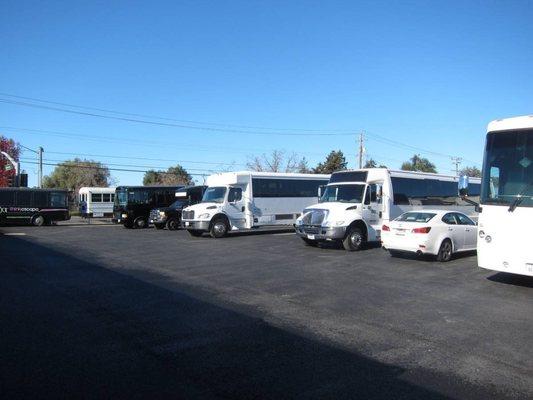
449 219
463 219
235 194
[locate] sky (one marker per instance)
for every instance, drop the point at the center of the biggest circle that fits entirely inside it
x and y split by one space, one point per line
229 80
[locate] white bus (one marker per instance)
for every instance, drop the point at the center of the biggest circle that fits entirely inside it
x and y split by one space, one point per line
355 204
96 201
506 209
245 200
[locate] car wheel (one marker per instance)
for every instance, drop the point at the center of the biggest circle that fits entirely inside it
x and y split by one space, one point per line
195 233
140 223
219 228
445 251
309 242
354 240
38 220
159 226
172 224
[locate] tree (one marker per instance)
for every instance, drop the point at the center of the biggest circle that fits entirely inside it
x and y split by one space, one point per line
417 163
303 167
7 170
371 163
172 176
335 161
473 172
277 161
73 174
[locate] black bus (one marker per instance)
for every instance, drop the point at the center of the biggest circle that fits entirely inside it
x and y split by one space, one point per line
170 217
133 203
34 206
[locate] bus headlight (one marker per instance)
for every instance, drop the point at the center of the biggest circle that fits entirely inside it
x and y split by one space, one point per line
204 216
124 216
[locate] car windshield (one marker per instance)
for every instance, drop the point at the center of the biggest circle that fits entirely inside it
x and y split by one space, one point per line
415 217
352 193
508 168
215 194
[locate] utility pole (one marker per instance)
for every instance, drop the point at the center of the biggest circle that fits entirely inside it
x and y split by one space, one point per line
361 150
457 161
40 176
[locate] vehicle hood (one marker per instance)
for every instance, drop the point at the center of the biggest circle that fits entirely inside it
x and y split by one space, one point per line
201 208
337 211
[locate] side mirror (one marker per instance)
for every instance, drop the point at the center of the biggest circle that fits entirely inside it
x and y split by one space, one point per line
463 186
320 191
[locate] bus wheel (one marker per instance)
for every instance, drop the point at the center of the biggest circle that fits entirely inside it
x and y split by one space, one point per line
159 226
140 223
219 228
354 240
172 224
195 233
38 220
445 251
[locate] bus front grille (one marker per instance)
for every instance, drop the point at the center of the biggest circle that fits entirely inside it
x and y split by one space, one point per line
187 214
314 217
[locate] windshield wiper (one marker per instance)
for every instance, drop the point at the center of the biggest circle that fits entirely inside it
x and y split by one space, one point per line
519 198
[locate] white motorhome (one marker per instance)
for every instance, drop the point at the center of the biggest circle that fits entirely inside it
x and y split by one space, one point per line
506 210
245 200
96 201
355 204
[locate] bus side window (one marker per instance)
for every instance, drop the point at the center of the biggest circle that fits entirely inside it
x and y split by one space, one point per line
96 197
106 197
7 198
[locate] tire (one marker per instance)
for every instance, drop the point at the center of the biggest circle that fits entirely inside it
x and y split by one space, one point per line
195 233
159 226
173 224
354 240
38 220
140 223
445 251
309 242
219 228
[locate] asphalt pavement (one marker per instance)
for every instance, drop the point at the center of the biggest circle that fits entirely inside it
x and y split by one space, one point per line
99 311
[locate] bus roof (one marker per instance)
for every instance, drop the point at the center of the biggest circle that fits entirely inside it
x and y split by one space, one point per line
509 124
35 189
96 189
150 187
375 172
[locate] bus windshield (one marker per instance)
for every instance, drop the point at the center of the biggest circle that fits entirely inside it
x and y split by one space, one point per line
508 169
343 193
215 194
121 199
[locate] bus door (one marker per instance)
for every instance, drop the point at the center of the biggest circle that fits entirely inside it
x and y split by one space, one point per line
236 208
373 209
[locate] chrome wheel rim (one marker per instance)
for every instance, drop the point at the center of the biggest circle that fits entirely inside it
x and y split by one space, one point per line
356 239
446 251
219 228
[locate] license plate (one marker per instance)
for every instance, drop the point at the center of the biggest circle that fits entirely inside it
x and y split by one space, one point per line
98 214
187 223
311 237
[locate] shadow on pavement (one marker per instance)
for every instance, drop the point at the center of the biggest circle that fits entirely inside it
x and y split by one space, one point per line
512 279
74 329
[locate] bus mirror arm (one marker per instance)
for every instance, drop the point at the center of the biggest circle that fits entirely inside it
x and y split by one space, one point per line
472 202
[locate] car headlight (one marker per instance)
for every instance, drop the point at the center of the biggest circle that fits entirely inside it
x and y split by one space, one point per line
161 213
124 215
203 216
339 223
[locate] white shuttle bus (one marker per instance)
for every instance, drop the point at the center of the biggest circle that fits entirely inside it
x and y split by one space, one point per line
506 209
96 202
355 204
245 200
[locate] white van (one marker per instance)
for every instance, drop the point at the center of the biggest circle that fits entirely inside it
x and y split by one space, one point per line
96 201
245 200
355 204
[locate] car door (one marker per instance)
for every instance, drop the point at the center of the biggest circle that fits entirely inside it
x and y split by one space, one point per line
235 209
371 213
454 231
470 231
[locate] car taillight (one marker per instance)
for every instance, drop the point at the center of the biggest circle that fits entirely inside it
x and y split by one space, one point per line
421 230
385 228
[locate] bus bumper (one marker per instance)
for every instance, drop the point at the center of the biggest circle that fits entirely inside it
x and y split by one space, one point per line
196 225
313 232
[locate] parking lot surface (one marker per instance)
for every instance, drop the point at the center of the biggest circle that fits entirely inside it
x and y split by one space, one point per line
99 311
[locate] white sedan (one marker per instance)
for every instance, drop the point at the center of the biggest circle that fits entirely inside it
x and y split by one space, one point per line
437 232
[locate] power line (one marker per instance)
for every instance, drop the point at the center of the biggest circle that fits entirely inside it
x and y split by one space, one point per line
173 119
167 124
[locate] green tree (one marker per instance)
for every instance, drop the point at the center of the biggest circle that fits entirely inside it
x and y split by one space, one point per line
173 176
417 163
473 172
7 170
73 174
371 163
335 161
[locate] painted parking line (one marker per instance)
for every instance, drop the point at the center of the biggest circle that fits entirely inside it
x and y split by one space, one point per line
14 234
284 234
